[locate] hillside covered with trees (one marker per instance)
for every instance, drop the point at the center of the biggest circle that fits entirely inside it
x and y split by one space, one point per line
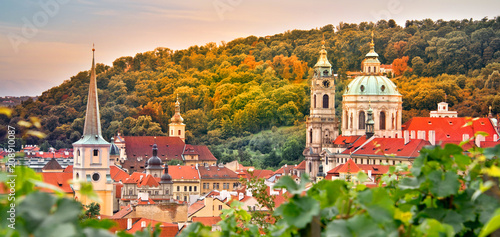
238 88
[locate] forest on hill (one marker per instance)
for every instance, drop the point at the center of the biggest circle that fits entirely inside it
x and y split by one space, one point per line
242 87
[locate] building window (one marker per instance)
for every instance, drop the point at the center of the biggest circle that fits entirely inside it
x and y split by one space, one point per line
190 188
172 132
220 207
178 198
382 120
314 105
179 132
325 101
156 192
311 136
185 188
96 152
178 189
96 177
310 167
362 120
325 73
185 198
130 192
195 188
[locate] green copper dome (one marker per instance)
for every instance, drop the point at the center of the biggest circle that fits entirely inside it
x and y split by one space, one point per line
371 85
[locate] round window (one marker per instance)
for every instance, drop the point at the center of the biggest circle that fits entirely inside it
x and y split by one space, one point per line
96 177
382 88
362 88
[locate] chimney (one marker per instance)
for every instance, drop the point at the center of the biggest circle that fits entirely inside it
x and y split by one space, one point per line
432 137
370 174
406 136
143 224
196 166
129 224
240 196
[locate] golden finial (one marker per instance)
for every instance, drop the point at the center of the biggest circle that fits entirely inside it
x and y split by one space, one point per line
490 109
372 44
323 41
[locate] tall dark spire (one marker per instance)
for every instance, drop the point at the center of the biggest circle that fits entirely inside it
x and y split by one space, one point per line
92 117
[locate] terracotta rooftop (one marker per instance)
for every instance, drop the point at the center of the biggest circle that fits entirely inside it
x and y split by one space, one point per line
123 212
167 229
450 129
216 172
388 147
193 208
202 151
183 172
117 174
58 179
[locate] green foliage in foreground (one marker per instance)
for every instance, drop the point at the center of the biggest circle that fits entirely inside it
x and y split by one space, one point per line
445 193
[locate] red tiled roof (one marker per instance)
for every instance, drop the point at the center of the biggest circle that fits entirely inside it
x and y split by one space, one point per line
301 165
183 172
167 229
375 169
389 146
68 169
204 153
349 167
450 129
58 179
193 208
357 143
142 179
143 202
280 199
169 148
255 174
208 221
123 212
345 140
117 174
216 172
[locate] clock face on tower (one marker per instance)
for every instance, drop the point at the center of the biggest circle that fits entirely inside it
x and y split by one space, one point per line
326 83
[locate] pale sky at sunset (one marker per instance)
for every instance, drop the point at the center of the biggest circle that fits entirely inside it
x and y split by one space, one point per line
44 42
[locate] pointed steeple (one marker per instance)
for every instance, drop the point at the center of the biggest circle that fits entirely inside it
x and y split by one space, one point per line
92 117
92 129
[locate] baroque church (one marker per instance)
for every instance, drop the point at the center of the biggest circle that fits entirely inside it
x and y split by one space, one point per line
371 105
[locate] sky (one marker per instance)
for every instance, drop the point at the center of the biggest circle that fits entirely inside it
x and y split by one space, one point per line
45 42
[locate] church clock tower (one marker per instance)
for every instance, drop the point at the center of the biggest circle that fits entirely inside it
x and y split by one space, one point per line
91 154
321 125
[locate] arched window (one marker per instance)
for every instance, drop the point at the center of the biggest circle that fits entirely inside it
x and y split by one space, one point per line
382 120
314 106
362 120
325 101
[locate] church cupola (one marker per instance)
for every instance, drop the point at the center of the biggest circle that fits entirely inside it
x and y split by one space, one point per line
323 68
371 64
177 128
154 163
